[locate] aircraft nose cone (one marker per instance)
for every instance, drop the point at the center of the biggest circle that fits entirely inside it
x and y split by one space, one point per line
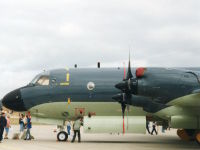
13 101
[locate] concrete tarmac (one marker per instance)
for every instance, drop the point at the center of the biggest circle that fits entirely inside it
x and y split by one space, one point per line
45 139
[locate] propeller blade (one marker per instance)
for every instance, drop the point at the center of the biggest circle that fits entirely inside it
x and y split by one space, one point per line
123 127
129 84
128 108
123 109
123 105
129 73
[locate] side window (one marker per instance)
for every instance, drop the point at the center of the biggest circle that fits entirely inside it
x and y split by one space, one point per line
43 80
53 81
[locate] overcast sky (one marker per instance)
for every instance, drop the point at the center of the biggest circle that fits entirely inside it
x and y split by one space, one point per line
47 34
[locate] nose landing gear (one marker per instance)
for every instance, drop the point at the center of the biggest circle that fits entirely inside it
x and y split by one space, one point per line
62 136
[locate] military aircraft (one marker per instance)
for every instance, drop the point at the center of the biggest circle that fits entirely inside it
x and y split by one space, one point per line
112 100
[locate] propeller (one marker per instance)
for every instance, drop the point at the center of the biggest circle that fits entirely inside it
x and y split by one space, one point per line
126 87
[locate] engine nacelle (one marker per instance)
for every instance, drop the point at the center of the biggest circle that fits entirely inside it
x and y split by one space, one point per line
185 122
114 124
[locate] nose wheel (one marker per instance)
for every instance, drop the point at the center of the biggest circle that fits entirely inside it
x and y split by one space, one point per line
62 136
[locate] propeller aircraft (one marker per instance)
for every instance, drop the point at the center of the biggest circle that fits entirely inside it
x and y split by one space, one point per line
110 102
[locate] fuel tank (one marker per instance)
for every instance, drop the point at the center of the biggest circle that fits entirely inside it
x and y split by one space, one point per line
114 124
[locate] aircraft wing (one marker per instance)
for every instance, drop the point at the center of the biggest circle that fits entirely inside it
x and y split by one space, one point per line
192 100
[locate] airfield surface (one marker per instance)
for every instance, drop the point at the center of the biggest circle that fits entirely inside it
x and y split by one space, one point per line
45 139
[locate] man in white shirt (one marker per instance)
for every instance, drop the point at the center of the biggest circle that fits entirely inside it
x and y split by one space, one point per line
77 125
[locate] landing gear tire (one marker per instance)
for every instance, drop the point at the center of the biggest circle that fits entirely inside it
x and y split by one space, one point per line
182 135
186 134
198 138
62 136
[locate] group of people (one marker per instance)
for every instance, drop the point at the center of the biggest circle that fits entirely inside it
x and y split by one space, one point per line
76 127
24 122
25 126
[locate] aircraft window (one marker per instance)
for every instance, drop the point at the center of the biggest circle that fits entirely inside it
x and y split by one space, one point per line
53 80
34 80
44 80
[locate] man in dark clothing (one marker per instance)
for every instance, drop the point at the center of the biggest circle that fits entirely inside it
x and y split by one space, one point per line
147 126
28 126
154 128
3 123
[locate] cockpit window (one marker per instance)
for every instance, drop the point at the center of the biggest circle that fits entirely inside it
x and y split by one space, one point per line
40 80
35 79
43 80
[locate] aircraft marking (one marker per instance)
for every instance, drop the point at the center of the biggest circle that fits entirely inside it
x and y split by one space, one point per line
67 80
90 86
68 100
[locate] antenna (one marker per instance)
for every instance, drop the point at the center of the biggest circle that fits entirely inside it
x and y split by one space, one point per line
98 65
75 66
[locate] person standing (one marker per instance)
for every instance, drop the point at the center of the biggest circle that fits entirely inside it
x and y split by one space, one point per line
77 125
21 124
147 126
28 126
3 123
7 128
154 128
68 127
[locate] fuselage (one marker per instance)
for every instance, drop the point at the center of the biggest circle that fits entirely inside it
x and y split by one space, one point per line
65 93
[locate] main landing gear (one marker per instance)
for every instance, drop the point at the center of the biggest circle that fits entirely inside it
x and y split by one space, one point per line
189 135
198 138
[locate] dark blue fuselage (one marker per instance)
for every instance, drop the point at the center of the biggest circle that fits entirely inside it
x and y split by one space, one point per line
157 85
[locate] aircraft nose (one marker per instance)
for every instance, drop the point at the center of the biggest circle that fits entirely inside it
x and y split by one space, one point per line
14 101
1 105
